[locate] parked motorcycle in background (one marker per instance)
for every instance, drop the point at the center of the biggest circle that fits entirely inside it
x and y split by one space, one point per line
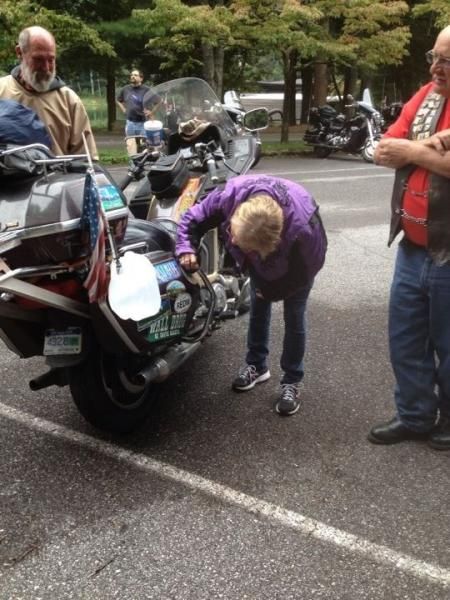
355 132
233 106
99 293
391 113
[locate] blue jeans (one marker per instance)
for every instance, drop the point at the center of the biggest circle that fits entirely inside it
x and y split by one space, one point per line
134 128
294 334
419 337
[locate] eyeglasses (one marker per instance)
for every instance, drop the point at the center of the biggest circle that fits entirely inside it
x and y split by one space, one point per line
432 57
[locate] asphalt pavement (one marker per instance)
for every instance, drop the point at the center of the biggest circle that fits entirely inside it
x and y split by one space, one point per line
216 496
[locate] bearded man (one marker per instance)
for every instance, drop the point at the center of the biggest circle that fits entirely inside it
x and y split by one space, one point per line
34 84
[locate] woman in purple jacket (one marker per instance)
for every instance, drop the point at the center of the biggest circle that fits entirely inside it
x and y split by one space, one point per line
272 229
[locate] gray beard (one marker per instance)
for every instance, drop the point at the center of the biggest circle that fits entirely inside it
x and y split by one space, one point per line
38 81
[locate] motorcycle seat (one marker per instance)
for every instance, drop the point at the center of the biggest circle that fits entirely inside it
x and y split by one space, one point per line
155 235
176 141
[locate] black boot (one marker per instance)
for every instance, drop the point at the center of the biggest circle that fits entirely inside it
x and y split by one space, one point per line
440 438
394 432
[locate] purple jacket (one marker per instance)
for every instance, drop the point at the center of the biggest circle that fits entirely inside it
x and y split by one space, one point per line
297 259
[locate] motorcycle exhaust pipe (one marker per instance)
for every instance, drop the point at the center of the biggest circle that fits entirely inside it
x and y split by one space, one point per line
161 368
52 377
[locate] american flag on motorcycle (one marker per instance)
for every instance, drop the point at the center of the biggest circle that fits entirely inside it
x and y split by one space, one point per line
93 221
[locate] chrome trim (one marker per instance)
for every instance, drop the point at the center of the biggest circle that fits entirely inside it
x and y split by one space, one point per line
134 246
60 227
34 271
52 158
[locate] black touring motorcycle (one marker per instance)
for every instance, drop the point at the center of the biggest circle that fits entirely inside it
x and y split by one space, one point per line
357 131
111 347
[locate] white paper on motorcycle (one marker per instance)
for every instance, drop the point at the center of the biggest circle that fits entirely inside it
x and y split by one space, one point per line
133 290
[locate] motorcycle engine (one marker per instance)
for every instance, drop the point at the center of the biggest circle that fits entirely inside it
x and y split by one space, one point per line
337 141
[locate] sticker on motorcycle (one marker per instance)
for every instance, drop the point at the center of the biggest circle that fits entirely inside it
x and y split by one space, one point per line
166 326
174 288
110 197
62 342
182 303
187 198
166 271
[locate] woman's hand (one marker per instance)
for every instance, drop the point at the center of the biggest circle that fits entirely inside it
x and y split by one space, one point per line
188 261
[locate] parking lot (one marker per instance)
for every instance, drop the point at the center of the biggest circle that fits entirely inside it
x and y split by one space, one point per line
216 496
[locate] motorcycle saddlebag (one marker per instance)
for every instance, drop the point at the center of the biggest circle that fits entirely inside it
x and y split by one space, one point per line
168 176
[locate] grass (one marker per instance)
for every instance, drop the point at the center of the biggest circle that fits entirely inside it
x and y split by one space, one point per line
116 155
113 156
285 149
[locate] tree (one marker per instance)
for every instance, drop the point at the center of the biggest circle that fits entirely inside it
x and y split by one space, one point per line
69 31
285 27
177 33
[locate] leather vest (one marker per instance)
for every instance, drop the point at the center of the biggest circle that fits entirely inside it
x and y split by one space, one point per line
438 219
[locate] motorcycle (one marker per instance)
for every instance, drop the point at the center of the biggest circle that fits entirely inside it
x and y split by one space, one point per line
391 113
358 131
111 347
235 109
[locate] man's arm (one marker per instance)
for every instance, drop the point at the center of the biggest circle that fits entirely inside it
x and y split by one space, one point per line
122 106
120 101
396 153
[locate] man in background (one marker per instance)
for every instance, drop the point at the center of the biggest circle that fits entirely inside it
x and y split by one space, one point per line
130 101
34 83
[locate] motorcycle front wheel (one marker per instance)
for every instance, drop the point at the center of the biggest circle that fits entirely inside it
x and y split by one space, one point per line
321 151
104 394
368 150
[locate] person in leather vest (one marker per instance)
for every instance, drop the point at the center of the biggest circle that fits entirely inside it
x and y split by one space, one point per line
419 307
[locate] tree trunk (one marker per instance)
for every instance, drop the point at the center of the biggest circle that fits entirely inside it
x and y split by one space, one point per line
290 74
218 72
320 87
307 78
213 67
111 96
208 63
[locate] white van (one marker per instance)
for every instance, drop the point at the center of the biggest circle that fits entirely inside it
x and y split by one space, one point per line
273 101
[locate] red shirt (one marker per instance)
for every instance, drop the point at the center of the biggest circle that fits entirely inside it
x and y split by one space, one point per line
415 200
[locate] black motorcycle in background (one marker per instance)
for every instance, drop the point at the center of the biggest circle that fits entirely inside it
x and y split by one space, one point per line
391 113
356 132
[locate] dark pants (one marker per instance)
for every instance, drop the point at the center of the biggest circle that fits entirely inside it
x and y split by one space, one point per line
294 334
419 337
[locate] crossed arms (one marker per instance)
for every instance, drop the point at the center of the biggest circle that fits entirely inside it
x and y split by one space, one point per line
431 154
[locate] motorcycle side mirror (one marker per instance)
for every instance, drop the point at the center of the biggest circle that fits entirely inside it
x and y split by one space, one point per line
256 119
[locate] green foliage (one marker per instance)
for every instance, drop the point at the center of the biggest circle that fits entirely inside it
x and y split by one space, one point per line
177 31
69 31
439 10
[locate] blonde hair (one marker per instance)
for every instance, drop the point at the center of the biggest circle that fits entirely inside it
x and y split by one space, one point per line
257 224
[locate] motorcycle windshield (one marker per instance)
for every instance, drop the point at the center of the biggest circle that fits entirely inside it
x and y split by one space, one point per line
186 99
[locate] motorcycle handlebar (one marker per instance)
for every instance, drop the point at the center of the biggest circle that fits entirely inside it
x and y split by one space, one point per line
212 169
127 179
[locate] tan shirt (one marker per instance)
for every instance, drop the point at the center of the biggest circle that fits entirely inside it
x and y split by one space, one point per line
61 111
